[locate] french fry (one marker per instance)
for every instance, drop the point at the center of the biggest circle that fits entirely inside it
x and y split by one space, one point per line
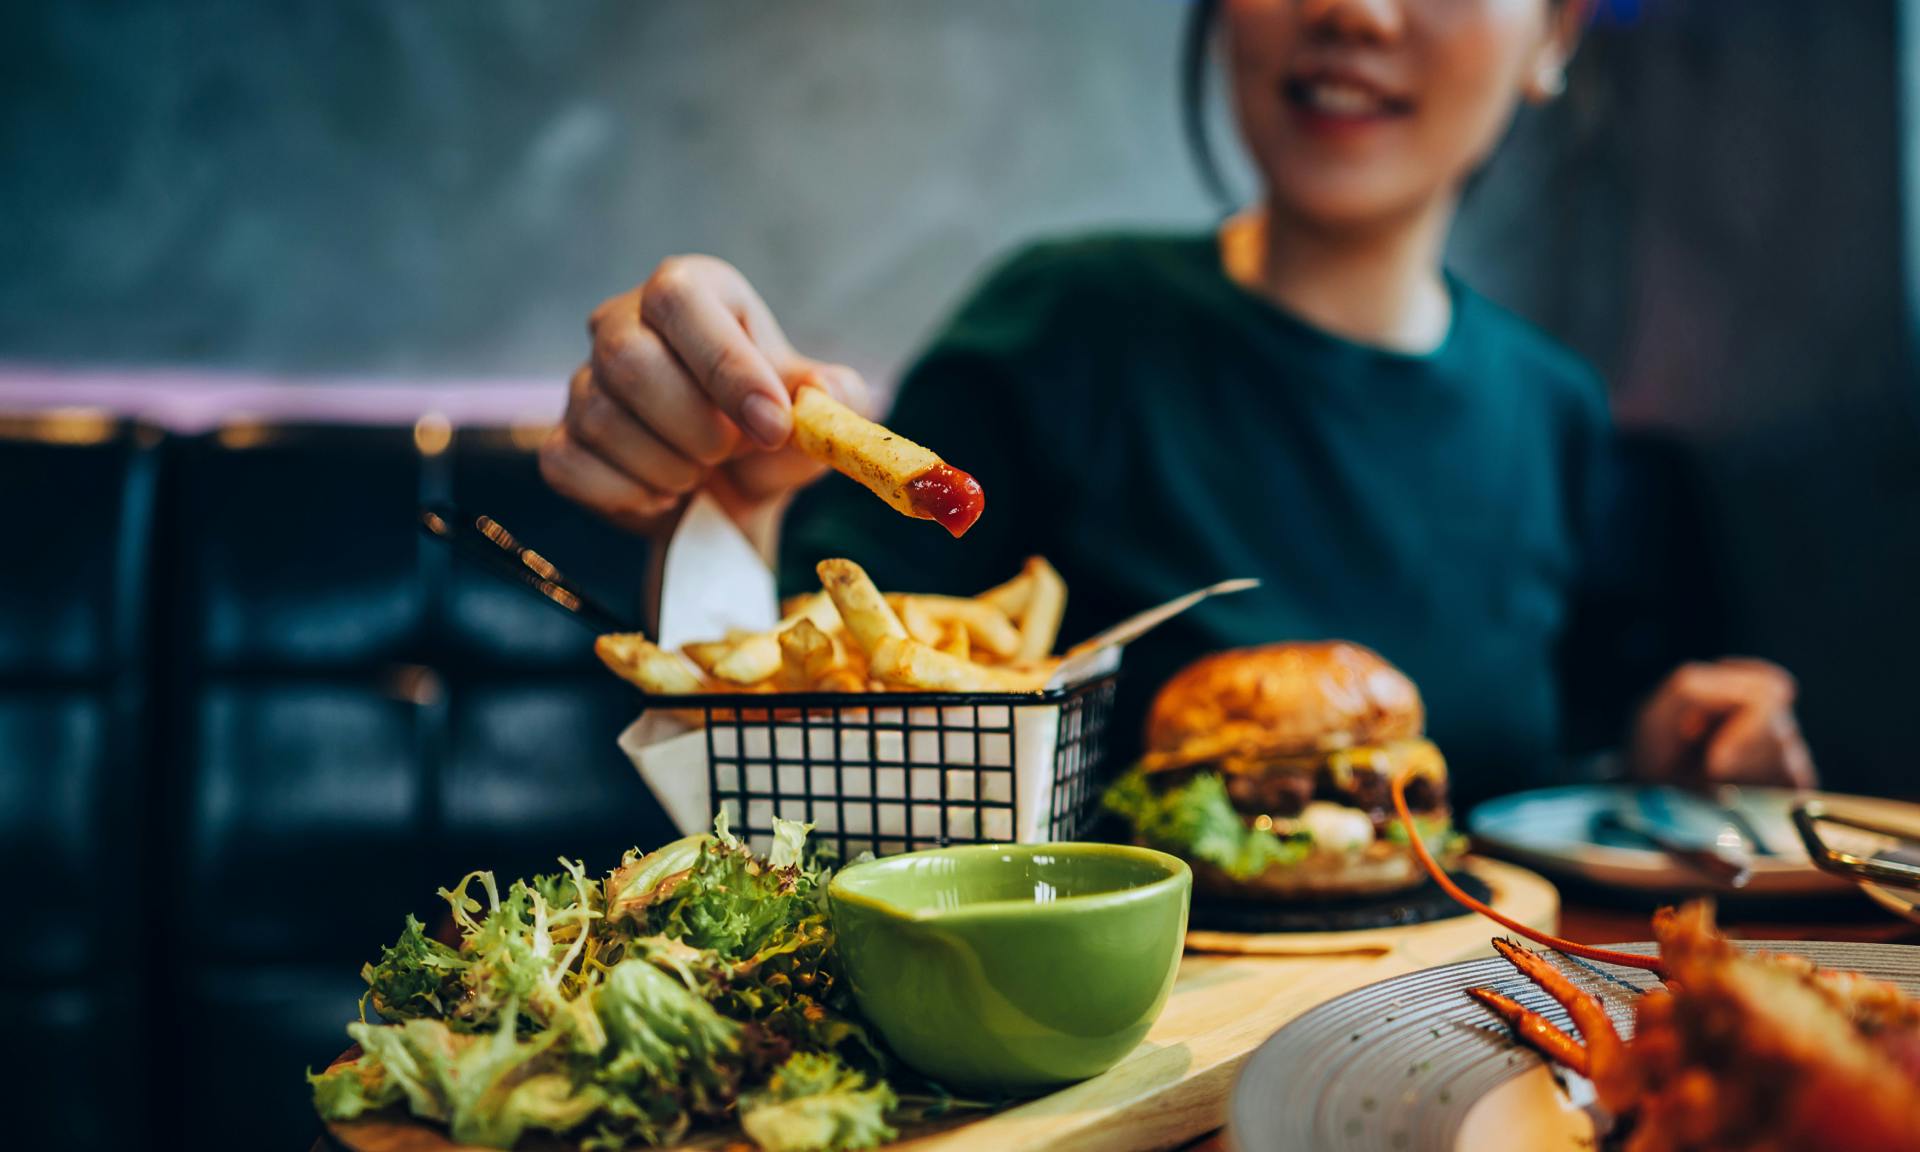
1010 597
744 659
847 670
842 679
914 616
866 613
1040 621
653 669
955 640
815 606
706 653
907 663
1042 669
910 478
806 653
988 627
849 637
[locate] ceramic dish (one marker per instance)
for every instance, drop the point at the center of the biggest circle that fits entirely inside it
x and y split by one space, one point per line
1012 968
1412 1065
1562 833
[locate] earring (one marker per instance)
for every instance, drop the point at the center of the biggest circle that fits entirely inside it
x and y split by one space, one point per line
1550 80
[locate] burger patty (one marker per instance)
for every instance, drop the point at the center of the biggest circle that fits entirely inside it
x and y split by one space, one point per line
1285 791
1282 788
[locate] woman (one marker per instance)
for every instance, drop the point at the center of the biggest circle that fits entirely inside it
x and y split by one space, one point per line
1305 396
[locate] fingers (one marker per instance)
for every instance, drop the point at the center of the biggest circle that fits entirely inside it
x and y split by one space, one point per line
720 329
600 424
1731 720
1727 684
689 374
633 366
760 475
1759 745
578 474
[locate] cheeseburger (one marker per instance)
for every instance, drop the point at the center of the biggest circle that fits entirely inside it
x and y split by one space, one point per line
1268 769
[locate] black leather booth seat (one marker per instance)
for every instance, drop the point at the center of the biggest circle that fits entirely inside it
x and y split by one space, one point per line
75 775
251 717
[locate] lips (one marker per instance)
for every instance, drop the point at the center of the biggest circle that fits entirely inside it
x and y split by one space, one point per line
1341 97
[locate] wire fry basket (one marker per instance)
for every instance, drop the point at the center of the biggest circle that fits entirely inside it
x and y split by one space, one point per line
896 772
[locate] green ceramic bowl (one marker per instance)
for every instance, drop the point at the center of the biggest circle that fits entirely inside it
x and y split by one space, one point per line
1016 967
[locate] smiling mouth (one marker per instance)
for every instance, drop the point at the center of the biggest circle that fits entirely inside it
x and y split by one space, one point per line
1338 98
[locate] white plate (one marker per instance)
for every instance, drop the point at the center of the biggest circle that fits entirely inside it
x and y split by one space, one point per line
1552 831
1412 1065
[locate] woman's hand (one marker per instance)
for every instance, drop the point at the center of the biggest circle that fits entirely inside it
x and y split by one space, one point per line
688 386
1730 721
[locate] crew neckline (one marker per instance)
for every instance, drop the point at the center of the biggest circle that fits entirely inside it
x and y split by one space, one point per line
1207 249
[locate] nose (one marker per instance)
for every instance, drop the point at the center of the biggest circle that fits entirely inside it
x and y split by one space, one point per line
1377 21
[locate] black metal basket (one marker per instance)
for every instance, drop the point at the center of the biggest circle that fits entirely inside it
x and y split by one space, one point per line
899 771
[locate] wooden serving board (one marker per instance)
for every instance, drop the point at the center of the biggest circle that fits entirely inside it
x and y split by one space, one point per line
1174 1087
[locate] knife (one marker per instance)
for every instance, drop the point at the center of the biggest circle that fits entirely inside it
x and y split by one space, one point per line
1724 864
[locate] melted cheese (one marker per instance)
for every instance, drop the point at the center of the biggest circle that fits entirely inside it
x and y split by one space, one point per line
1389 759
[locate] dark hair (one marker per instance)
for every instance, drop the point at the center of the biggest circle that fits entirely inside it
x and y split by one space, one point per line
1194 47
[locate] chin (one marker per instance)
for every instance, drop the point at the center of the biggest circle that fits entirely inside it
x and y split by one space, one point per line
1346 202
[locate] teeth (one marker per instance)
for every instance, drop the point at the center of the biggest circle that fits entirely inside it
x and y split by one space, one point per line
1341 99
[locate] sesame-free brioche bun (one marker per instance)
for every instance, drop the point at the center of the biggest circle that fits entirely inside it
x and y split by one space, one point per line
1281 700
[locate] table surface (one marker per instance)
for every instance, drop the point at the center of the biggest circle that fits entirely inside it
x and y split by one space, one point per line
1587 924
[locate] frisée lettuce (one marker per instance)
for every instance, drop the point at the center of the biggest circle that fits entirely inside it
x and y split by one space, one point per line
695 984
813 1101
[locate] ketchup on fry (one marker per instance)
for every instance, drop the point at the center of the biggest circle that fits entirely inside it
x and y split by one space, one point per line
947 496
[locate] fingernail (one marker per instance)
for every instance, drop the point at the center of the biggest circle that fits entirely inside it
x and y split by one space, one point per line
764 421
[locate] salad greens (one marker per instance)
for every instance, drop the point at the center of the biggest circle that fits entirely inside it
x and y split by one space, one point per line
1196 819
1436 832
814 1101
694 984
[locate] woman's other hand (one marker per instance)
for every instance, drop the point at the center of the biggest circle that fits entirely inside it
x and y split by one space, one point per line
1729 721
688 386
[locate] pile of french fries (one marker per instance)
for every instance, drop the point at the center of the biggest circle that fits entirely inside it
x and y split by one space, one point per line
850 637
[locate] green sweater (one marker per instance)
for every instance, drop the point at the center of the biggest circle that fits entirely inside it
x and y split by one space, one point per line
1151 427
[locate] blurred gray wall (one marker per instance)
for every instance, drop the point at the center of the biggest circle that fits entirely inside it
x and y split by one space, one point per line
364 185
1714 214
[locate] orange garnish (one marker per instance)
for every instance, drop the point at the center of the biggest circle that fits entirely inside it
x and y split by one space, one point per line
1398 786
